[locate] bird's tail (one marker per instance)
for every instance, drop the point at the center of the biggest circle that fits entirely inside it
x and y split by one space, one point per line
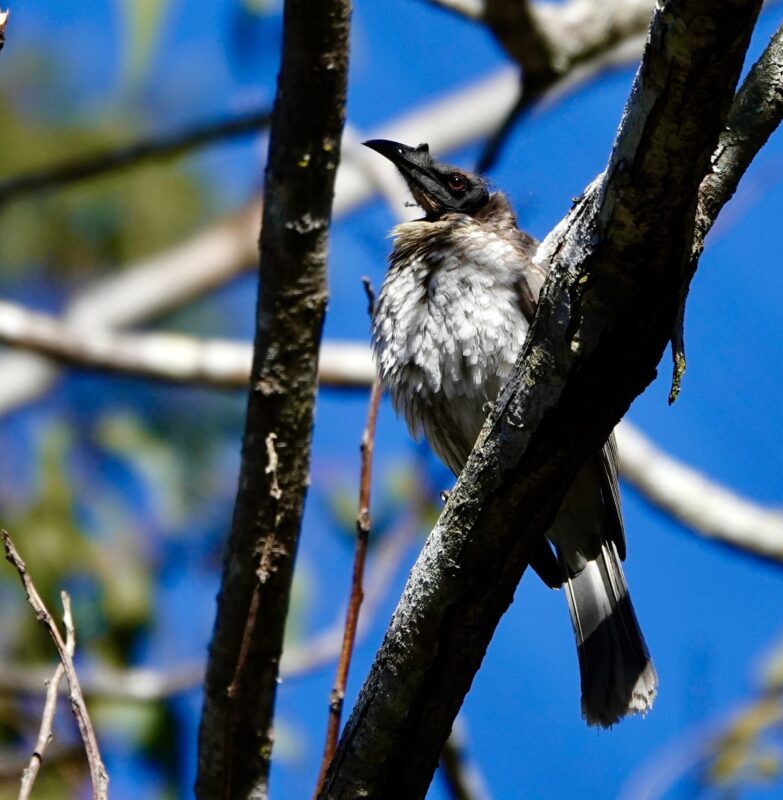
618 678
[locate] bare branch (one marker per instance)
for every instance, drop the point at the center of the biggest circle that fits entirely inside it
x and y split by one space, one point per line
171 357
470 9
154 148
592 348
50 706
515 25
100 779
560 45
138 685
712 510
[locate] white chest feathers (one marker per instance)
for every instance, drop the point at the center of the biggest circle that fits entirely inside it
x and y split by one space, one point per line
448 323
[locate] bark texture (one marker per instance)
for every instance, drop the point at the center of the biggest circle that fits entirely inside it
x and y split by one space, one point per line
606 314
235 738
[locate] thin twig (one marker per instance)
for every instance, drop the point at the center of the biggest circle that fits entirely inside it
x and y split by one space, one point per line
337 696
50 707
152 149
98 775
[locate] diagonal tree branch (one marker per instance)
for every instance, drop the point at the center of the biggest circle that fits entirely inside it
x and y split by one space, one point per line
235 738
558 44
154 148
593 347
713 510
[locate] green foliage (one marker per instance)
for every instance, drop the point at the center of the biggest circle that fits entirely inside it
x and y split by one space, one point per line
107 221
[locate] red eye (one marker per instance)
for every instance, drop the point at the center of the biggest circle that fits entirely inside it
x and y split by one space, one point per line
456 182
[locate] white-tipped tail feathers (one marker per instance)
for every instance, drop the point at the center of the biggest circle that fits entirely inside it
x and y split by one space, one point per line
618 678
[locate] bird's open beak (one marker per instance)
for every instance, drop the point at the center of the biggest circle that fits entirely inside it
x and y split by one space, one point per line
415 163
416 166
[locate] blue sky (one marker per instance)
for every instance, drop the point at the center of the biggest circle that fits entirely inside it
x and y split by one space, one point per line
709 615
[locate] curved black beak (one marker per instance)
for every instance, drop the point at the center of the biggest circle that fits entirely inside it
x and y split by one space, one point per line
407 159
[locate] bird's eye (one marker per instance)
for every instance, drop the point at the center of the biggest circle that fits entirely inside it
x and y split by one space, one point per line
456 182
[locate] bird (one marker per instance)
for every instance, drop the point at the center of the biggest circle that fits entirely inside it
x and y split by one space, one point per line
451 317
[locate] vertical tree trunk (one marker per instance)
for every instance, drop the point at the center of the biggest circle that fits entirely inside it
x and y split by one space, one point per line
235 739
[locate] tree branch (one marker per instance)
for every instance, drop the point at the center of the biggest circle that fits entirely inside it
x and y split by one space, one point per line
235 739
100 780
592 348
462 777
558 45
154 148
170 357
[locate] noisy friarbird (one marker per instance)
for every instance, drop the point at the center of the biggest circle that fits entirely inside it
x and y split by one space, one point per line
451 317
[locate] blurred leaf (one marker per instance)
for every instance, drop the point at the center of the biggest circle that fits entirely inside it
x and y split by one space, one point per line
142 35
136 721
160 465
772 671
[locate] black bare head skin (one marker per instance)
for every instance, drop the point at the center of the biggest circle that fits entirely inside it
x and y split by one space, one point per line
438 188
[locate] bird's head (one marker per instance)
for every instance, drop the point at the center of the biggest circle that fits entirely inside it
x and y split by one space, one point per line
437 188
